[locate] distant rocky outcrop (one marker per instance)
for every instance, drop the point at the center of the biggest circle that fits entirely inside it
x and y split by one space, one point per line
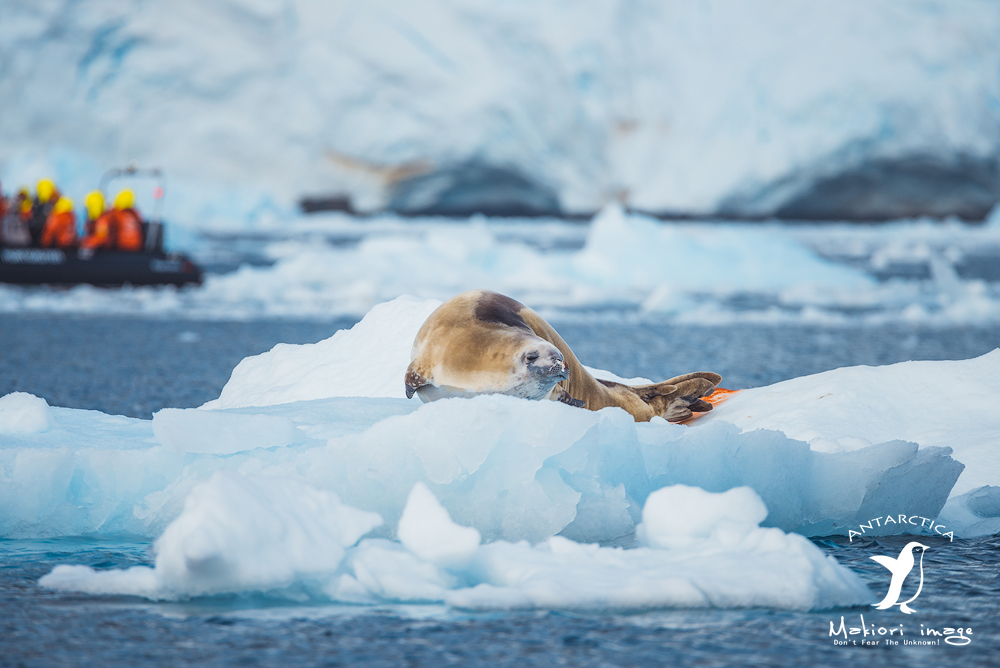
880 189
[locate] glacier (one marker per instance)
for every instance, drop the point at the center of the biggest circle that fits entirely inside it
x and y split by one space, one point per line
249 104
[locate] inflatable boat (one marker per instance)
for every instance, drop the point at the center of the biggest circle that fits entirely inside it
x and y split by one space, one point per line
30 265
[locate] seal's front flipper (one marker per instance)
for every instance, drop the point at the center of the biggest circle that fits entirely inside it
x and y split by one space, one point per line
414 381
565 397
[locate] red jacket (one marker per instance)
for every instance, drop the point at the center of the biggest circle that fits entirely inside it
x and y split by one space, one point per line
59 230
116 230
129 230
102 234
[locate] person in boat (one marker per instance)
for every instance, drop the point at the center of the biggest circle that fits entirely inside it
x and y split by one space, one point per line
96 207
60 228
4 208
117 229
14 224
46 196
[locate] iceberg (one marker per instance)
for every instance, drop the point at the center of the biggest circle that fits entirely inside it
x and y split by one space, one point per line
252 534
313 478
334 415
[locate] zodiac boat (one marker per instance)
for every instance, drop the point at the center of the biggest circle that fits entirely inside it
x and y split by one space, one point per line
71 266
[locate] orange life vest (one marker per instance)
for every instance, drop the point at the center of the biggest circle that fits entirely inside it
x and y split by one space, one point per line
102 233
59 230
129 230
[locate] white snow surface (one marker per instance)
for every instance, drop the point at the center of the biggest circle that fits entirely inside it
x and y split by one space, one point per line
948 404
250 103
367 360
247 533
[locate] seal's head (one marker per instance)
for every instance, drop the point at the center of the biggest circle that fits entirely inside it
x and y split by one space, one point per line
478 343
537 367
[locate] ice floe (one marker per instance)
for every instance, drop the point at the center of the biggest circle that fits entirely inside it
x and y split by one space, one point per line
495 502
334 415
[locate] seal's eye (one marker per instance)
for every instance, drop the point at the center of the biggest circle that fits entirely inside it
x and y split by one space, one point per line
531 357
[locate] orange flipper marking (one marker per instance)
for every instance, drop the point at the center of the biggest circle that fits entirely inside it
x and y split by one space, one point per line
717 397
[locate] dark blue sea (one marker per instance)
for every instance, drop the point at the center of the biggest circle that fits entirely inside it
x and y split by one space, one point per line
134 366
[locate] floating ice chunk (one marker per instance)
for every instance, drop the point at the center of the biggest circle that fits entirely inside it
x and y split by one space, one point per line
23 413
426 530
975 513
993 218
368 360
639 252
237 533
135 581
681 517
193 430
512 469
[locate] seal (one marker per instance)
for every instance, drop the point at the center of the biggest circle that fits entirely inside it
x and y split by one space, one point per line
482 342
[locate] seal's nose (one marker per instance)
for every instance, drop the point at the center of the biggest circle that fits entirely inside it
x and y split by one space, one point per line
558 367
553 366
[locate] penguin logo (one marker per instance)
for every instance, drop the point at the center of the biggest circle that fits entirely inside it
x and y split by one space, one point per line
900 567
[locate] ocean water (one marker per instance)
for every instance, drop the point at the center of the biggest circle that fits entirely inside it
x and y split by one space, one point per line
40 627
134 366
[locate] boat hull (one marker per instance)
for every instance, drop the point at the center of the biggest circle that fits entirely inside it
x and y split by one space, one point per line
54 266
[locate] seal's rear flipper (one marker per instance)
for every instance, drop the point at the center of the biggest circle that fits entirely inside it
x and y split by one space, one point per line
676 399
699 405
713 378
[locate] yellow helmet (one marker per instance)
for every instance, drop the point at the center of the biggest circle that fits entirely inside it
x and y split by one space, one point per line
63 205
125 199
45 190
26 206
95 204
